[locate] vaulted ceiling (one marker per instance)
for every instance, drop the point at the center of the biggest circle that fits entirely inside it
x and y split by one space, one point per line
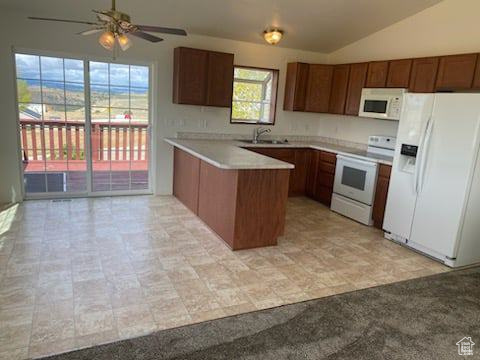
317 25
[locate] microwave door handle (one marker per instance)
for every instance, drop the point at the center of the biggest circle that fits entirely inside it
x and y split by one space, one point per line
426 146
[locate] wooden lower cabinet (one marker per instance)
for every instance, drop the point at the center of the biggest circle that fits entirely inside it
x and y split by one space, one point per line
298 178
312 167
295 156
381 193
246 208
314 171
186 178
325 177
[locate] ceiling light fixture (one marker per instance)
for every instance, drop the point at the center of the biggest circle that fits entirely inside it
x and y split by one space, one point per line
273 36
124 41
107 40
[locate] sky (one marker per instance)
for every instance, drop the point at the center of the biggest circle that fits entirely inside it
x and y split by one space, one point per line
52 69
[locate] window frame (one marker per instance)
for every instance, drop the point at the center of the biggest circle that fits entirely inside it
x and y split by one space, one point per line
273 101
153 106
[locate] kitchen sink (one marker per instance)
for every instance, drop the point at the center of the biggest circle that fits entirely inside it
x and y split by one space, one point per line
273 142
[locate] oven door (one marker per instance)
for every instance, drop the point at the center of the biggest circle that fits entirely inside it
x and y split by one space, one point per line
355 179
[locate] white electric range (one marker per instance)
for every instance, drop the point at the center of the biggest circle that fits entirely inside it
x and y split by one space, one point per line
356 179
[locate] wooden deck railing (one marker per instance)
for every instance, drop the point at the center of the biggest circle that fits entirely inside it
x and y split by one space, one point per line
60 140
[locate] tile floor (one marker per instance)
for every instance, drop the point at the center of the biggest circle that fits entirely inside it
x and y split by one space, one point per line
89 271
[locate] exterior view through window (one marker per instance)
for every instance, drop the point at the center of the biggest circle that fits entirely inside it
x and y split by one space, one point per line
78 139
254 95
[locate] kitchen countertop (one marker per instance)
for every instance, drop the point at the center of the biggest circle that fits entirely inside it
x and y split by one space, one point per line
228 154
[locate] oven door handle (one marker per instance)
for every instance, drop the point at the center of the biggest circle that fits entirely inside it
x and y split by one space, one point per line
358 161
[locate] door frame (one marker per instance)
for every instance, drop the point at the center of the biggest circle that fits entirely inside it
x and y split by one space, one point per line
152 90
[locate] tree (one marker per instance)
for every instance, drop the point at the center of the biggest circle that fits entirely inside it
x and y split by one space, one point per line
24 94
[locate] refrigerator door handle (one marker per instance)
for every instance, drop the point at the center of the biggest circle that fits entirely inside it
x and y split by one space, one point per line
426 145
418 162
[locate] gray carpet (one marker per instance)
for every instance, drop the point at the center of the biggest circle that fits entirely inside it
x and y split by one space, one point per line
416 319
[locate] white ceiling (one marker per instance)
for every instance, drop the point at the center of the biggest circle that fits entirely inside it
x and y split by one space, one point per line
317 25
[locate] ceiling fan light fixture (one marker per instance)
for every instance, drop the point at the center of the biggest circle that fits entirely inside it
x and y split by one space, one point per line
107 40
273 36
124 42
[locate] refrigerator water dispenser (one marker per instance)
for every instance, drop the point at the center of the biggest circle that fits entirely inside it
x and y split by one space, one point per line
408 157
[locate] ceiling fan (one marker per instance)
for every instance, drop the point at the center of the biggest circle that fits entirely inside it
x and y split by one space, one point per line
115 26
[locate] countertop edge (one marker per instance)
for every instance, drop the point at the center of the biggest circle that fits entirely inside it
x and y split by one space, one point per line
283 165
173 142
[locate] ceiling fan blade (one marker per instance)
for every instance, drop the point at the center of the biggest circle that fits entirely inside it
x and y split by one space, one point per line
163 30
63 20
146 36
102 16
90 31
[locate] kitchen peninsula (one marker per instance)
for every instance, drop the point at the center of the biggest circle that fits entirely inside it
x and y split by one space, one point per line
240 195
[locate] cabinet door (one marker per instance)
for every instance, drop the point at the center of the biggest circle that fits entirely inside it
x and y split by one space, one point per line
318 87
298 177
377 74
381 194
338 95
323 194
186 178
356 82
295 87
380 202
325 177
456 72
220 79
190 76
424 75
312 168
476 79
399 73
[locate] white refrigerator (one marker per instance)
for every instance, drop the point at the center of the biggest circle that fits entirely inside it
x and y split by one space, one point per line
433 202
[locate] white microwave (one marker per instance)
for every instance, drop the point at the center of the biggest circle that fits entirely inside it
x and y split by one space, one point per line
382 103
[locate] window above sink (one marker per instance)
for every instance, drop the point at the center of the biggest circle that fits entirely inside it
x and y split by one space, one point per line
254 96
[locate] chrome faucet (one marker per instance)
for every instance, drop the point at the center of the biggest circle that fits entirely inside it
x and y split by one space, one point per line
257 132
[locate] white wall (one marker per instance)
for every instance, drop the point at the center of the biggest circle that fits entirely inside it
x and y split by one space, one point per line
450 27
169 118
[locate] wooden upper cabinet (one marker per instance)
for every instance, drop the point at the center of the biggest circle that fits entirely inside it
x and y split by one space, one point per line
202 77
338 94
476 79
356 82
295 87
377 74
219 79
318 88
423 75
456 72
399 73
190 76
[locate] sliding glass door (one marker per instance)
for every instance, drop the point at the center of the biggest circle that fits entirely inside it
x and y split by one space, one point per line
119 113
84 126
